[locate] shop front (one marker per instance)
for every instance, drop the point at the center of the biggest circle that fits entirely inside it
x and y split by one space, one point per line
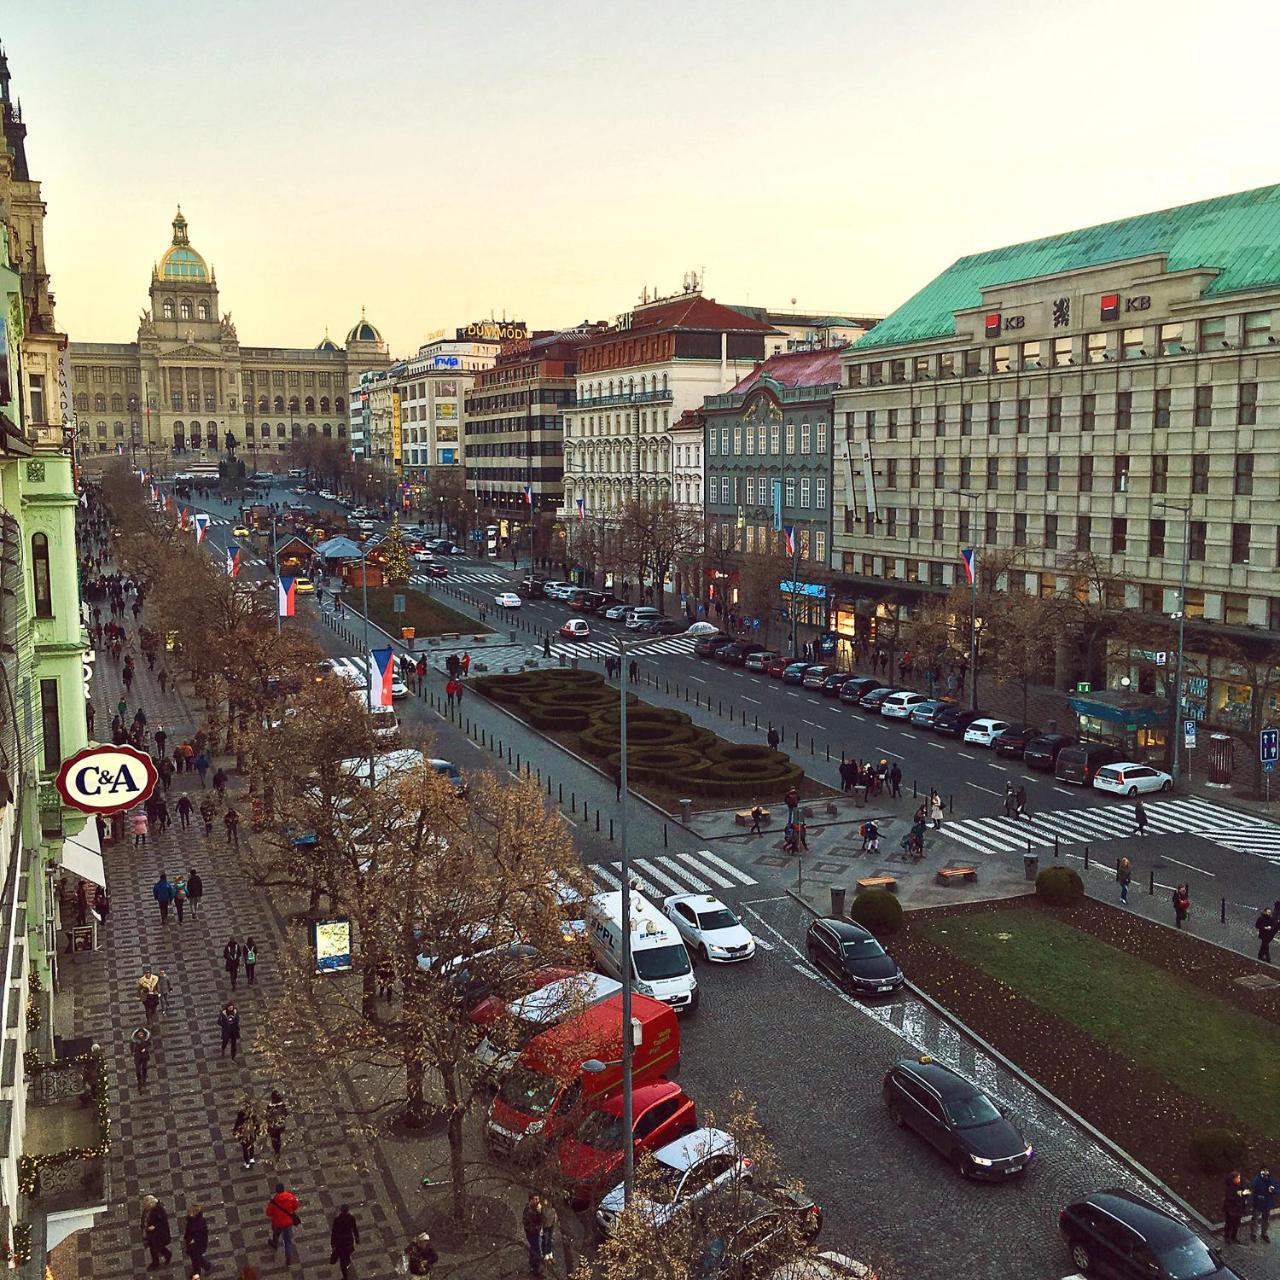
1134 723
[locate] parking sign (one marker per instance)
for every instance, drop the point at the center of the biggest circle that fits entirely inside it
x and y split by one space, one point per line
1189 732
1269 746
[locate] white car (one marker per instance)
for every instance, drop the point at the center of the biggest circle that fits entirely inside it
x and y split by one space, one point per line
823 1266
507 600
694 1167
899 706
422 557
637 617
709 928
617 611
1131 779
398 689
557 590
983 733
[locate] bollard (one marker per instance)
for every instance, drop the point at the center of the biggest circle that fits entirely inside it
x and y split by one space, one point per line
664 835
573 802
548 784
561 797
610 830
508 755
797 739
719 706
951 804
1055 844
914 793
517 762
666 686
597 819
686 693
539 777
1086 857
811 746
842 755
1224 911
526 769
756 726
1151 883
828 753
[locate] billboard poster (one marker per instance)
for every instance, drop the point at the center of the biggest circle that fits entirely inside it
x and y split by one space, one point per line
333 945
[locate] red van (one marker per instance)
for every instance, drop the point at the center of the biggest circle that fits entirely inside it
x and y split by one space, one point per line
547 1092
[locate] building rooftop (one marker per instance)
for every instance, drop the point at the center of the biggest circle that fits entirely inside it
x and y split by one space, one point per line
1237 235
688 311
795 369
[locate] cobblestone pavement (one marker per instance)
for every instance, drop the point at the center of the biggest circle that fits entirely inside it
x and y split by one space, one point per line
174 1138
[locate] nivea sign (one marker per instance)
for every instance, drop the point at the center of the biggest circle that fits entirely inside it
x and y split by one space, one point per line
106 779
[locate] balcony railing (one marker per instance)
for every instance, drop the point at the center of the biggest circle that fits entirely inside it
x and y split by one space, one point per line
68 1132
634 397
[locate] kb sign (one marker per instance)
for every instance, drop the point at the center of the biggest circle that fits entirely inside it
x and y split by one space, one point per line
106 779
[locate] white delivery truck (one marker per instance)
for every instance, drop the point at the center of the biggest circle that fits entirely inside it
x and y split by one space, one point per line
660 964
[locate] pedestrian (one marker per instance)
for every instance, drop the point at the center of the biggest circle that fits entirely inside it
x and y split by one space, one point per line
245 1130
277 1114
757 816
141 1045
774 738
1266 926
617 783
282 1213
895 781
344 1235
548 1237
149 993
195 890
88 717
1020 801
229 1025
935 810
1139 818
139 828
1010 800
100 904
180 897
165 770
1181 904
195 1239
184 808
155 1232
231 820
461 689
82 903
633 671
231 957
206 815
202 766
451 690
162 891
1235 1204
1263 1189
531 1221
161 739
163 677
466 665
250 959
421 1255
164 989
1124 874
546 645
220 782
870 837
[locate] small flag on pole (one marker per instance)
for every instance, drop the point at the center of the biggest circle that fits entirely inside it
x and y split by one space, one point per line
182 517
288 601
582 508
233 560
789 537
968 555
202 526
380 696
528 496
120 449
168 502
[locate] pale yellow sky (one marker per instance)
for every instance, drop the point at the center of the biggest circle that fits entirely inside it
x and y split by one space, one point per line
436 162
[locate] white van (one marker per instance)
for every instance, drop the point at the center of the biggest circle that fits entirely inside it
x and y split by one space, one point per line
524 1018
390 764
660 964
386 728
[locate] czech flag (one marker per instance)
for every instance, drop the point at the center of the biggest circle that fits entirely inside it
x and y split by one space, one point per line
528 496
233 560
969 556
168 502
202 526
380 695
182 517
789 537
582 508
288 602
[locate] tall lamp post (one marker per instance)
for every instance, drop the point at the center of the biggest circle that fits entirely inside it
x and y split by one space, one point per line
973 610
628 1047
1175 755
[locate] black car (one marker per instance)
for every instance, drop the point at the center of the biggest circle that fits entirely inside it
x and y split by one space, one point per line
836 681
607 601
663 627
1013 741
1079 763
532 588
1042 752
874 698
852 956
852 690
953 721
956 1118
737 653
709 646
1117 1234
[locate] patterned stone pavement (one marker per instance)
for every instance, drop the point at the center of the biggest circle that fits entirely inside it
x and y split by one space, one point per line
174 1138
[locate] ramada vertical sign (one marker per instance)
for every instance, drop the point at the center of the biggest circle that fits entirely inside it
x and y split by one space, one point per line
106 779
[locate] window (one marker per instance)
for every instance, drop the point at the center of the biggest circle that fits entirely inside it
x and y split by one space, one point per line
1120 472
43 587
891 522
819 493
1019 529
993 473
1000 359
938 531
966 419
1088 411
1119 535
1086 473
1240 543
913 523
972 362
1160 473
1051 532
940 421
1030 355
818 544
1171 339
35 385
806 437
1131 344
724 441
751 491
1020 472
1247 404
789 492
774 436
991 529
915 473
1213 334
1257 328
891 429
1084 533
875 374
939 473
891 473
791 439
1024 416
897 371
804 492
1055 413
1163 400
1244 473
962 529
1124 410
712 443
920 368
49 724
751 442
1204 406
184 308
1061 352
1195 541
1155 539
915 423
966 472
737 440
1096 348
993 417
168 308
204 311
820 442
855 375
1053 472
1199 473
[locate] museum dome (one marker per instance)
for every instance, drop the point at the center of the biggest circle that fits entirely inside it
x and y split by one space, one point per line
363 331
327 343
182 262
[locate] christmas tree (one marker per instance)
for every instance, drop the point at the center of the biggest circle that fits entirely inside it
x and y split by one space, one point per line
395 559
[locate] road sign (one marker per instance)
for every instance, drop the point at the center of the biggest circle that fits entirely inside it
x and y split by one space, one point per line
1268 766
1084 686
1269 746
397 603
1162 658
1189 733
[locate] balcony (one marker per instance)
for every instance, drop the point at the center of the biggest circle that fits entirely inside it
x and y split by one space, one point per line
634 397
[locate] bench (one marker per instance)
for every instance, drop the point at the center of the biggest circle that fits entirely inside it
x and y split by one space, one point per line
879 882
743 817
947 874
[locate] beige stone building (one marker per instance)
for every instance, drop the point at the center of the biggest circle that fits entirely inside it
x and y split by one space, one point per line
171 396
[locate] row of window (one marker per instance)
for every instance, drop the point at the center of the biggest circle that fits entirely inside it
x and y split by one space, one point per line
615 424
764 539
767 438
1253 329
755 491
101 373
516 449
523 426
646 386
185 310
277 377
326 429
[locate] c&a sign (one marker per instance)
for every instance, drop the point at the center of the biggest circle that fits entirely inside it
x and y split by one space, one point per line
106 779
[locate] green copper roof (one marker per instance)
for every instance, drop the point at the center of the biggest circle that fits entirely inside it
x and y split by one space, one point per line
1237 234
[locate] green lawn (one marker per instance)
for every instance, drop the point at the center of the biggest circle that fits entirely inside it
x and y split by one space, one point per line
1214 1051
429 616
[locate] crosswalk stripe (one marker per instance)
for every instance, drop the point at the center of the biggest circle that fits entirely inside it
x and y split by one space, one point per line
714 876
949 829
607 878
726 867
700 886
651 873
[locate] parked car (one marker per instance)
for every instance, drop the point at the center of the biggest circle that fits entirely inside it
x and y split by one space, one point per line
507 600
638 615
709 929
532 588
1042 751
558 590
815 676
873 699
615 612
955 1118
661 627
437 570
777 668
952 721
924 713
709 646
1117 1234
762 1233
853 957
1013 741
1130 779
1079 763
984 731
576 629
853 690
836 681
607 601
825 1265
736 654
795 672
447 769
899 706
759 661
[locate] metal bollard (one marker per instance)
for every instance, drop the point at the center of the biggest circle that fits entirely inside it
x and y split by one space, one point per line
797 739
610 830
951 804
914 793
1151 884
1086 857
664 835
597 819
756 726
573 802
1224 911
686 693
719 706
560 799
517 762
811 746
828 753
508 755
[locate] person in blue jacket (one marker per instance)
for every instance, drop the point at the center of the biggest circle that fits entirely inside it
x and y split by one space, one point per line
1264 1197
163 892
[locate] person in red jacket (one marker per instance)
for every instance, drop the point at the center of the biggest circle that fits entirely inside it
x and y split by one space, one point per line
282 1213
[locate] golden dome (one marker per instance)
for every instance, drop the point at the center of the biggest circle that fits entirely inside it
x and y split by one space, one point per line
182 262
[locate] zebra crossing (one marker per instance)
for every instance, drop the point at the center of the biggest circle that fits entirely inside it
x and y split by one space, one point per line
701 872
599 652
1188 815
486 576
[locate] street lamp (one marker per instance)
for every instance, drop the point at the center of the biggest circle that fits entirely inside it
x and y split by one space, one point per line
1181 615
973 611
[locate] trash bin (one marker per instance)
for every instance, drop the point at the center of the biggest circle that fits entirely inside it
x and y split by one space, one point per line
1221 759
837 903
1030 865
686 811
573 662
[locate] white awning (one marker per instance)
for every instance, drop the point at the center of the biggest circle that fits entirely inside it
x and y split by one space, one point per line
82 854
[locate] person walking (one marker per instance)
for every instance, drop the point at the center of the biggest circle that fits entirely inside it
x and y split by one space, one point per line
184 808
195 1239
1020 802
344 1235
757 817
195 890
220 783
141 1046
180 897
206 815
245 1130
229 1025
421 1255
1124 874
149 994
250 959
282 1213
531 1221
277 1114
773 738
202 766
139 828
1266 925
231 820
935 810
1010 800
1263 1191
617 783
156 1234
232 954
1235 1204
895 781
633 671
164 988
162 891
1181 904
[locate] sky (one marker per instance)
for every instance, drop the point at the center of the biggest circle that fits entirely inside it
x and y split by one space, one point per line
438 163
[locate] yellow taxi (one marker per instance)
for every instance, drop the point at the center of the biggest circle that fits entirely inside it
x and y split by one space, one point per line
304 586
240 531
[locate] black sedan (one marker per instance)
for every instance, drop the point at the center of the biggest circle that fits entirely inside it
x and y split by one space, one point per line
853 690
709 646
853 957
873 699
663 627
1013 741
836 681
956 1118
953 721
1042 752
736 654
